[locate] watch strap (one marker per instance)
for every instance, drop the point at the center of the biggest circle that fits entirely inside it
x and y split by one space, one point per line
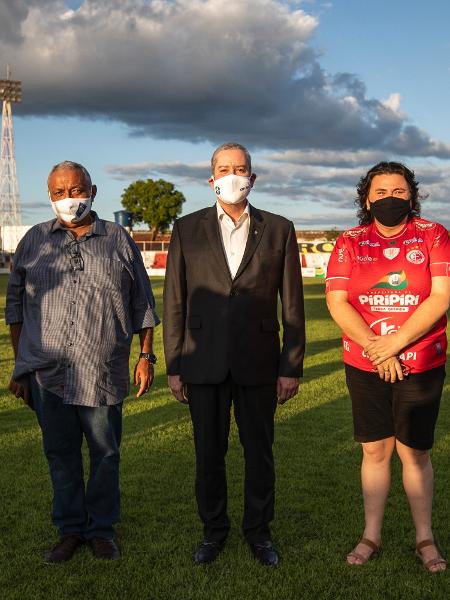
151 358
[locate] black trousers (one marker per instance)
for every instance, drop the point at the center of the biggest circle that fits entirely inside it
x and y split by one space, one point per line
254 410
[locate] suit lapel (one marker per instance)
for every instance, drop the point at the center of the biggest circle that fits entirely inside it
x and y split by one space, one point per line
211 224
255 232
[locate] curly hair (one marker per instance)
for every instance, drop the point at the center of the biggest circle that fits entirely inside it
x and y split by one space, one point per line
386 168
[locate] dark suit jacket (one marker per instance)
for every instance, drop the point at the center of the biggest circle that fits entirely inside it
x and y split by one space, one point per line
214 324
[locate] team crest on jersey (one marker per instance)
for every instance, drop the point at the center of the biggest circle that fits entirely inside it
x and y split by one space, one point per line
395 280
391 252
416 257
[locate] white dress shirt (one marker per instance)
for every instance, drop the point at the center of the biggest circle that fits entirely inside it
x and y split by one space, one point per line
234 236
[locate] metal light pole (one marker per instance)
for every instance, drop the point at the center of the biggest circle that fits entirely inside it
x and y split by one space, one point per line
10 91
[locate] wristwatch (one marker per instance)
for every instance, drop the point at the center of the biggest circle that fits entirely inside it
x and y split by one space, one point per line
148 356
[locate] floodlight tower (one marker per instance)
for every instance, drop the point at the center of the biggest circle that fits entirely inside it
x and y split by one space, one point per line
10 91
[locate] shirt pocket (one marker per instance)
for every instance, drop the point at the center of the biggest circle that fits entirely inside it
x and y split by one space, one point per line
104 273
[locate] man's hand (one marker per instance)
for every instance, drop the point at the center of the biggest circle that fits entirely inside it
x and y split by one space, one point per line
177 388
143 376
287 387
20 391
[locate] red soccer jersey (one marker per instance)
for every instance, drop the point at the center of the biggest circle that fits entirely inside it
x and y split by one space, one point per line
386 280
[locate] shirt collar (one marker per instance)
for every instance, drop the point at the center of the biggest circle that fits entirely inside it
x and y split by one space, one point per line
221 213
98 226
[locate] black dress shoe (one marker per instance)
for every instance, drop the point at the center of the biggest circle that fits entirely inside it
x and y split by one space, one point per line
265 553
207 552
104 548
64 548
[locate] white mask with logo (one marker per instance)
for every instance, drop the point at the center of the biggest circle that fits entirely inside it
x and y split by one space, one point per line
72 210
232 189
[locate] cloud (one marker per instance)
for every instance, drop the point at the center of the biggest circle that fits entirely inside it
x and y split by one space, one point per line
339 221
327 157
33 207
12 14
187 172
393 102
195 70
323 188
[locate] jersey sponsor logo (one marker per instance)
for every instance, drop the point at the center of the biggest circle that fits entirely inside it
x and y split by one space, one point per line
389 302
369 243
416 257
413 240
422 225
385 328
395 280
355 232
366 258
391 253
341 256
346 345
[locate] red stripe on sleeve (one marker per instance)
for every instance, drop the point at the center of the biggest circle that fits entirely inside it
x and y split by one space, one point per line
440 269
336 283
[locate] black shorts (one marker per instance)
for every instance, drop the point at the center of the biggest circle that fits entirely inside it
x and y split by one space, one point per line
405 409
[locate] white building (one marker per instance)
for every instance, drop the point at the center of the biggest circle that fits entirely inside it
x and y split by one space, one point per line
10 236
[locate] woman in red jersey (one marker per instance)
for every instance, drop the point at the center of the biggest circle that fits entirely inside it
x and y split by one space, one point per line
388 289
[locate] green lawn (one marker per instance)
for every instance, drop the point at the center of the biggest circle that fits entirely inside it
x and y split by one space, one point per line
318 511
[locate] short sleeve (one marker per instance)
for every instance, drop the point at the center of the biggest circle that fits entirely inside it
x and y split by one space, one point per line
16 286
339 267
440 253
142 299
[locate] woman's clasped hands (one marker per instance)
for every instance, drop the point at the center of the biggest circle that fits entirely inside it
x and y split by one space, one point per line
382 351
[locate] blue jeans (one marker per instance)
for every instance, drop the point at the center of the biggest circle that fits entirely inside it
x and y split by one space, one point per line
91 511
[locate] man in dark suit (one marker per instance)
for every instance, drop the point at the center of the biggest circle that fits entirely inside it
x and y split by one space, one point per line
226 266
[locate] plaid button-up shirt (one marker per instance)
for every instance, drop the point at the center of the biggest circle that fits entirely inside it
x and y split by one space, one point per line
77 325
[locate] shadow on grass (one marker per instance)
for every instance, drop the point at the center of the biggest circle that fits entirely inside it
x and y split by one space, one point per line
321 370
313 289
318 519
319 346
21 419
315 308
155 417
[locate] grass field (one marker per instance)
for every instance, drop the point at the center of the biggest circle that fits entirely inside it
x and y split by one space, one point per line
318 508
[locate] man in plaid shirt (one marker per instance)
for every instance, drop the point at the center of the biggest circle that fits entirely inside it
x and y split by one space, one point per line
77 293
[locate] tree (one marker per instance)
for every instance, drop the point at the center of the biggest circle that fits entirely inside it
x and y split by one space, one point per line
332 234
156 203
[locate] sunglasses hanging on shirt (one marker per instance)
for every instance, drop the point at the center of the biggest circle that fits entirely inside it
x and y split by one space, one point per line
76 260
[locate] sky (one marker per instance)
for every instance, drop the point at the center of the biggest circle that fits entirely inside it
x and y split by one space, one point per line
318 91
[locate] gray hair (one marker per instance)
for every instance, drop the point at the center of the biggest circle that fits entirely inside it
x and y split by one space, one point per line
71 166
231 146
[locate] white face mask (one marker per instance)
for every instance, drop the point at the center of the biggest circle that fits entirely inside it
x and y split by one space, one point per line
72 210
232 189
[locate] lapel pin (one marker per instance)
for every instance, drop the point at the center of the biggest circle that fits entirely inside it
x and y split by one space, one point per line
255 232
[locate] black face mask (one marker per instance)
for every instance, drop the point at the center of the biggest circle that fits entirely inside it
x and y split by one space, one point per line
390 211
